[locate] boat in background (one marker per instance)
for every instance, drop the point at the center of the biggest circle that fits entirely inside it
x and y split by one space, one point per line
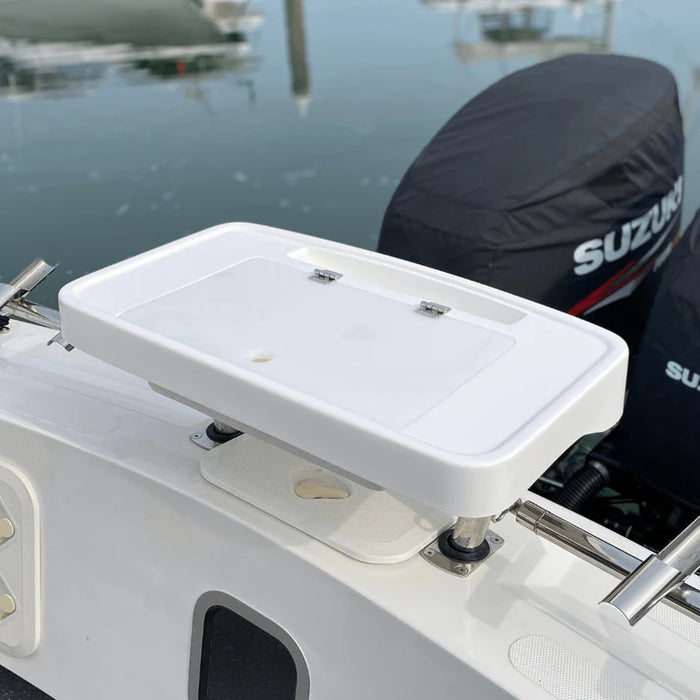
523 28
147 23
82 43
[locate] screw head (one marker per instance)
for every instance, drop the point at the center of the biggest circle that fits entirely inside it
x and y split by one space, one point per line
430 553
196 436
460 568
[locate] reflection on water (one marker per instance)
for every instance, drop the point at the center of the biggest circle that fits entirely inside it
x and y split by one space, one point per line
301 87
525 28
208 37
162 117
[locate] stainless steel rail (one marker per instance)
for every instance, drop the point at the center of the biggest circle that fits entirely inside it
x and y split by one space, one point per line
34 313
606 556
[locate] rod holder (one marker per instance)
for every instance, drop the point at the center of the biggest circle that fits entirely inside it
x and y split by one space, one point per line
602 554
13 301
658 575
35 273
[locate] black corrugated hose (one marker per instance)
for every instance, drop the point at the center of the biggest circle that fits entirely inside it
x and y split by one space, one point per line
586 482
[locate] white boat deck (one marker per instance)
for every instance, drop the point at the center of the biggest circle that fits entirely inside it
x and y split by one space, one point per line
133 535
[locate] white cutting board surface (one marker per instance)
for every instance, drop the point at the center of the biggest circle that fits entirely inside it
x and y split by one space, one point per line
461 411
333 342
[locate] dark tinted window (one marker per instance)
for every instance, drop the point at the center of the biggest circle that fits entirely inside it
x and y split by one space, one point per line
13 687
243 662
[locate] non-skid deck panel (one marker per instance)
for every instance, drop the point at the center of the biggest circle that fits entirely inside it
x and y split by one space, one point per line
371 525
563 673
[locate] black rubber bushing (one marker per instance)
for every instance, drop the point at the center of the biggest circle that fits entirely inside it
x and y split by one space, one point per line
217 436
452 551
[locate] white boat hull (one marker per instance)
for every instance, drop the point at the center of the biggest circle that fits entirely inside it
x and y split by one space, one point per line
132 536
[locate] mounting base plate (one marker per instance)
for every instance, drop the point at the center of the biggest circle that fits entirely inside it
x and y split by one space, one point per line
432 554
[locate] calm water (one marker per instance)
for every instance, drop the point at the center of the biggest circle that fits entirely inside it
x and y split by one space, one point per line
128 123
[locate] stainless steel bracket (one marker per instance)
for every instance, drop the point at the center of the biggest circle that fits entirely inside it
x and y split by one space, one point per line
434 556
201 439
60 340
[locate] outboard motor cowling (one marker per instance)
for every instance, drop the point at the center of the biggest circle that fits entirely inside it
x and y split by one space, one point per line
659 436
561 183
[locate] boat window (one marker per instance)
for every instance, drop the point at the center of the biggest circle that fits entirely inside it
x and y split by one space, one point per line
12 686
238 653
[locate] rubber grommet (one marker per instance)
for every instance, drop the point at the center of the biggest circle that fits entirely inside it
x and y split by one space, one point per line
217 436
450 550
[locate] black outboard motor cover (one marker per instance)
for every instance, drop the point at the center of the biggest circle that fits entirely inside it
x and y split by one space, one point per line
659 436
561 183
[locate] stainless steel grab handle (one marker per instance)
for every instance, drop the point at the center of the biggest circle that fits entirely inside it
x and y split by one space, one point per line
659 575
683 596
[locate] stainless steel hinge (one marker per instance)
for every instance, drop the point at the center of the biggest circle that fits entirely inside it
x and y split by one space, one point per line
432 308
325 276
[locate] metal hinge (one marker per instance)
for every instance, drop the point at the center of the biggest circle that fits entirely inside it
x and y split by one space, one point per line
325 276
432 308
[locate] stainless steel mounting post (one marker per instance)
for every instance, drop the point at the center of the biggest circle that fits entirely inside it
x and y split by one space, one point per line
461 549
469 533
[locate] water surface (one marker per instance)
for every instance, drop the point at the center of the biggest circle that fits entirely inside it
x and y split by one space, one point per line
125 124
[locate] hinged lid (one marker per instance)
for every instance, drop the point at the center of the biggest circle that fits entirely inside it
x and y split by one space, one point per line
459 402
